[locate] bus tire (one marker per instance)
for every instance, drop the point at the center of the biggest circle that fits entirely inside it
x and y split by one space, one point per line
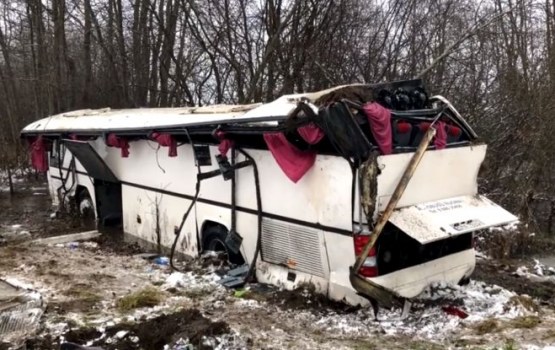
213 239
85 207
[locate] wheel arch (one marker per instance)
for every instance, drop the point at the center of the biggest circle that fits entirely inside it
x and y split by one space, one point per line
208 224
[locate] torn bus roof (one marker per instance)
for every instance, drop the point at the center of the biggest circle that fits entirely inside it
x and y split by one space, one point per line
255 114
433 221
149 118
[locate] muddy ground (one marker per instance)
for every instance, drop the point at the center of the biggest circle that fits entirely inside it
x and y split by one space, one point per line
104 293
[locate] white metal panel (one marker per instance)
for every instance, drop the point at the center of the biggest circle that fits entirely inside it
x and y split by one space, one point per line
441 174
277 275
322 196
412 281
432 221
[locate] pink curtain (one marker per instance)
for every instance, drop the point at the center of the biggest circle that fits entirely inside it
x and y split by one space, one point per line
39 159
292 161
441 135
225 144
440 140
379 118
311 133
166 140
119 142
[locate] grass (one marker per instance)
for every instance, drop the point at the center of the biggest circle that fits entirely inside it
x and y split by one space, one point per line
486 326
525 322
549 334
147 297
401 342
524 301
83 293
510 344
493 325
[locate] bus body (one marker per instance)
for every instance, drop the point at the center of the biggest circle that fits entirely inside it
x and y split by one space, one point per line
311 230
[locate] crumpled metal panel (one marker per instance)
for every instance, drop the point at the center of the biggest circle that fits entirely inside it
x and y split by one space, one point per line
20 313
368 173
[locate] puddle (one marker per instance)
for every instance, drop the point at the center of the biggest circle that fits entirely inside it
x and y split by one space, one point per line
27 214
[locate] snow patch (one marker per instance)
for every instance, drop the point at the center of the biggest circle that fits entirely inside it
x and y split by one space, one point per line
427 318
190 280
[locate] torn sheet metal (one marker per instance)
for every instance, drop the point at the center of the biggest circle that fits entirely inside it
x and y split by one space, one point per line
368 173
432 221
236 277
20 313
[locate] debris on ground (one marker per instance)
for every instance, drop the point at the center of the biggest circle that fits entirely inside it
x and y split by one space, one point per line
109 293
20 312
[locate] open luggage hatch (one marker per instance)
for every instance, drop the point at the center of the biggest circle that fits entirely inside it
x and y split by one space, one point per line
433 221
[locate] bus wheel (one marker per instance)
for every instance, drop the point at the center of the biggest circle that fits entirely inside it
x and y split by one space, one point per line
86 209
213 239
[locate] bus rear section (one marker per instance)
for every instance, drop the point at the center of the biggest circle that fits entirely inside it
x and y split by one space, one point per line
429 236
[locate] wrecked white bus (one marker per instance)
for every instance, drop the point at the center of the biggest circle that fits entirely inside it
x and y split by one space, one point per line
297 188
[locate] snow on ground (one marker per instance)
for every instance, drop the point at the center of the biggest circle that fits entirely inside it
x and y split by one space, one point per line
479 300
538 273
253 322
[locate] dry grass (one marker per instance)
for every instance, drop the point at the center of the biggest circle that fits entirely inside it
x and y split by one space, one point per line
525 322
549 334
493 325
487 326
517 243
83 293
147 297
523 301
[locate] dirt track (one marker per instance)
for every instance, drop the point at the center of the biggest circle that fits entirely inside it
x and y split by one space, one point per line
84 286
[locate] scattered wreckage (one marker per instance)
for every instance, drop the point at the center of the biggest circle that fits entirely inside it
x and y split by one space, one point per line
368 192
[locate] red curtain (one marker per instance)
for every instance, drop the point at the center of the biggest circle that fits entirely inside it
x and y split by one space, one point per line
39 159
119 142
379 118
292 161
166 140
225 144
440 140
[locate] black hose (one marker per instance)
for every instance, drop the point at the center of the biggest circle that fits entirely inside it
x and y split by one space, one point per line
252 267
186 215
71 169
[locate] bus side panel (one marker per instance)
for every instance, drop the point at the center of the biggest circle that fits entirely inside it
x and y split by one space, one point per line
322 196
296 216
158 189
152 216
